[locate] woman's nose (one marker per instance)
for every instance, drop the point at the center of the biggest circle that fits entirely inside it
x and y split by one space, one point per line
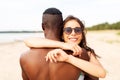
73 32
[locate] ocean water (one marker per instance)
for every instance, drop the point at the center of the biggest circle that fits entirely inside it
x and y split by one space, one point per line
9 37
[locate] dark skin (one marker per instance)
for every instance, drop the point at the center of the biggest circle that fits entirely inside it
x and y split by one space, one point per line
34 66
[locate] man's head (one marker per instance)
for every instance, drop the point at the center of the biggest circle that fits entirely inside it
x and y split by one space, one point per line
52 22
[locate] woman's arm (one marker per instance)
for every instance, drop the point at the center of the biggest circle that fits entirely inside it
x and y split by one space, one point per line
42 42
92 67
47 43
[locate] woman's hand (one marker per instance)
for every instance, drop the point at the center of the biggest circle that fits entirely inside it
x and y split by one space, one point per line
77 50
57 55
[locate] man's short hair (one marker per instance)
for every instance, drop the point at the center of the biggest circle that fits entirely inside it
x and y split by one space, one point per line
53 11
52 19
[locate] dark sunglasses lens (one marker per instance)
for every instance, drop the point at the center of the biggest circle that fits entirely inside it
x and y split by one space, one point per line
77 30
68 30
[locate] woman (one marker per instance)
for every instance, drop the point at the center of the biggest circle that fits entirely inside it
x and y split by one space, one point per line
73 34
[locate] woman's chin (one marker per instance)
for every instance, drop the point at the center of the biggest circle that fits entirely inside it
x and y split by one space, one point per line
74 42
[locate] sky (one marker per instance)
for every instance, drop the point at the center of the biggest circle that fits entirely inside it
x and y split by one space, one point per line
27 14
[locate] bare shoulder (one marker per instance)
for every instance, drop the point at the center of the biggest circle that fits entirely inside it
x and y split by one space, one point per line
32 56
29 60
28 56
24 57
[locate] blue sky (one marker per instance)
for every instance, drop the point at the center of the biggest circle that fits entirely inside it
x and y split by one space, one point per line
27 14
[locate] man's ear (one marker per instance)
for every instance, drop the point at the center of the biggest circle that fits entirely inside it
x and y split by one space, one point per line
43 26
62 37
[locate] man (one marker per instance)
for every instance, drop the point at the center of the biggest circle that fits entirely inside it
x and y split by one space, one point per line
33 64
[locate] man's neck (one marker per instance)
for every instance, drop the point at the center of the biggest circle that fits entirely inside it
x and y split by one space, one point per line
52 37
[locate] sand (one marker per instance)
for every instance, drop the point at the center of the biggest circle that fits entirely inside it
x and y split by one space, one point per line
105 43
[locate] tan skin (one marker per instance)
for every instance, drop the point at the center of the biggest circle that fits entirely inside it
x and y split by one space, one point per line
35 67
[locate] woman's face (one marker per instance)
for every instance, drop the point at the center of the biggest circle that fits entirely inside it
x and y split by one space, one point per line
72 32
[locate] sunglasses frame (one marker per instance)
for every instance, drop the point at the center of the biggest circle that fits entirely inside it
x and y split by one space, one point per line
68 30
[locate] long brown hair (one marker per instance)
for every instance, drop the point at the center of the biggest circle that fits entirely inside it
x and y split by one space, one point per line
83 42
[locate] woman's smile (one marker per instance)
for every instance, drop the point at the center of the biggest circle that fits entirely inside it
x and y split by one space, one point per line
72 39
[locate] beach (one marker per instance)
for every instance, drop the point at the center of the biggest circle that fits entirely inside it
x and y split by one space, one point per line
105 43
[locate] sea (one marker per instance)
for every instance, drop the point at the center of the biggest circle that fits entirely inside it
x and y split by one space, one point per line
9 37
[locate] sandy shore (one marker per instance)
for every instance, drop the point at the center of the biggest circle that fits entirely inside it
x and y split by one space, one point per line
9 60
105 43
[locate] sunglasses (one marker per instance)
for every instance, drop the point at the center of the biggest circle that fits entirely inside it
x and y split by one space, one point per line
68 30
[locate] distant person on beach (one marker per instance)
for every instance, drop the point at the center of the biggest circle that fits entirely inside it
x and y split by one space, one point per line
78 37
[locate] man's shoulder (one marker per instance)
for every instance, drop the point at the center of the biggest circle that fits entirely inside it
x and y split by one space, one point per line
32 54
24 57
28 54
28 58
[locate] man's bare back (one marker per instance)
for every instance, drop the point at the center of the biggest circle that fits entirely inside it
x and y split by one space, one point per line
33 62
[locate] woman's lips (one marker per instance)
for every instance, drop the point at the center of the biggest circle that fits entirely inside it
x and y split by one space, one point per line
73 39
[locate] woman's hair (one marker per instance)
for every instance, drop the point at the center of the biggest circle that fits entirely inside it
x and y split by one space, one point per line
83 42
